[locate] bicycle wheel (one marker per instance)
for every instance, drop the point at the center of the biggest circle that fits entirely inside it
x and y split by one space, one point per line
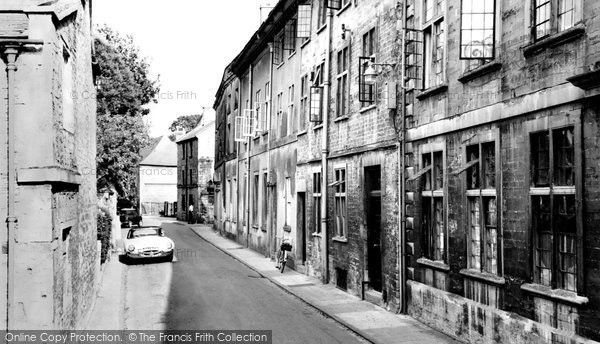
279 259
282 263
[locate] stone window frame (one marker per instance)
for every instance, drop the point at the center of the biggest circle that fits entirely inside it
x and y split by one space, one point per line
481 139
291 107
321 16
429 148
264 193
552 123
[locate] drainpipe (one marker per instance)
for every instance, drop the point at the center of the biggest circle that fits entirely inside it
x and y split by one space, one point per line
325 150
11 52
270 243
248 149
402 171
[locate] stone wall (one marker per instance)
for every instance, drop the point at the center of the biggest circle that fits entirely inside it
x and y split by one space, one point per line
56 257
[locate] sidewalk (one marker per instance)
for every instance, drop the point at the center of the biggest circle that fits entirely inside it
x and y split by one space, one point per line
369 321
107 312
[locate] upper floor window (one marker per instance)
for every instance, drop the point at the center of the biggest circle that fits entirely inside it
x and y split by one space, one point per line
291 108
235 99
555 209
322 14
366 91
316 189
303 102
342 82
552 16
477 32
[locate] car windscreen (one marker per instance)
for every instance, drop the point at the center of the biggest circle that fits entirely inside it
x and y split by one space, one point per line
143 232
129 212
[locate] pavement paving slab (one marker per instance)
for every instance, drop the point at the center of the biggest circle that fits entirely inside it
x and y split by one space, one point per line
370 321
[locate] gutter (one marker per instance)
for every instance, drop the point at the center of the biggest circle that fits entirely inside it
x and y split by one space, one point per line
270 242
325 152
402 172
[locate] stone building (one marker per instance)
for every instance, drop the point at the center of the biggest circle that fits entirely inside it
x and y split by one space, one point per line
158 177
195 169
502 207
49 258
438 157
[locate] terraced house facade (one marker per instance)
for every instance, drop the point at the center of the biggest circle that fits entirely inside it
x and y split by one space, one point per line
437 157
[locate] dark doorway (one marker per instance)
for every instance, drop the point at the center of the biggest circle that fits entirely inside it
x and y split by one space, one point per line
301 232
373 209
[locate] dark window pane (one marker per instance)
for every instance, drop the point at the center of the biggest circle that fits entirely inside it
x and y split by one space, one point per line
489 165
427 175
540 159
473 171
438 170
564 158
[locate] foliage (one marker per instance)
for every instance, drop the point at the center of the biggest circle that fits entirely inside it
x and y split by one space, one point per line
187 123
124 88
104 231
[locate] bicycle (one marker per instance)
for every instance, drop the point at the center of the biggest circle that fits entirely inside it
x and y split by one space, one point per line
285 247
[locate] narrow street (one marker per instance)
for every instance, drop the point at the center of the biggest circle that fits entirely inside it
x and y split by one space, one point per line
206 289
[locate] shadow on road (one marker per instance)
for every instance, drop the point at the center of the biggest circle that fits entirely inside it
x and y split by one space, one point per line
141 261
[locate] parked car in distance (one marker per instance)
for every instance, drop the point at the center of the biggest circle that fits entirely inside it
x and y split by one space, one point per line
130 217
148 242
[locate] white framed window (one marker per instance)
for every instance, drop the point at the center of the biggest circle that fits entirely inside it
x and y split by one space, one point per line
316 190
433 228
303 117
343 63
341 209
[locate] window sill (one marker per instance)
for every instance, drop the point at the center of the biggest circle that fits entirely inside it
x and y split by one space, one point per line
437 265
318 127
304 43
483 276
368 108
292 54
287 228
263 228
319 30
316 234
255 227
341 118
554 40
343 9
266 132
558 295
432 91
480 71
303 132
279 65
340 239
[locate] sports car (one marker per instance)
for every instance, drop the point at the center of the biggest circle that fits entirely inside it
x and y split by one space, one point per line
148 242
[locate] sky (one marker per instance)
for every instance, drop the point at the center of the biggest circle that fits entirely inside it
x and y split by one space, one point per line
187 42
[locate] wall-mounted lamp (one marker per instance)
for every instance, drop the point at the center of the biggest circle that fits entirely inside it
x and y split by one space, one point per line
371 73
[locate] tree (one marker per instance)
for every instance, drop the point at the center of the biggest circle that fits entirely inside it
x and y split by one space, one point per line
187 123
124 88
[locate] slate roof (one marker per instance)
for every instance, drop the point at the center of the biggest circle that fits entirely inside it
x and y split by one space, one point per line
164 153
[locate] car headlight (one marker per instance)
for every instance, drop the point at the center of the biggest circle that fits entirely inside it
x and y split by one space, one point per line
169 246
130 248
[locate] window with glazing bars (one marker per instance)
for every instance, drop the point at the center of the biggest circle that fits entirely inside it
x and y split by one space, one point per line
342 82
554 208
366 93
340 202
264 200
316 202
322 15
289 43
477 32
432 193
303 103
255 202
303 23
291 109
552 16
278 48
483 208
